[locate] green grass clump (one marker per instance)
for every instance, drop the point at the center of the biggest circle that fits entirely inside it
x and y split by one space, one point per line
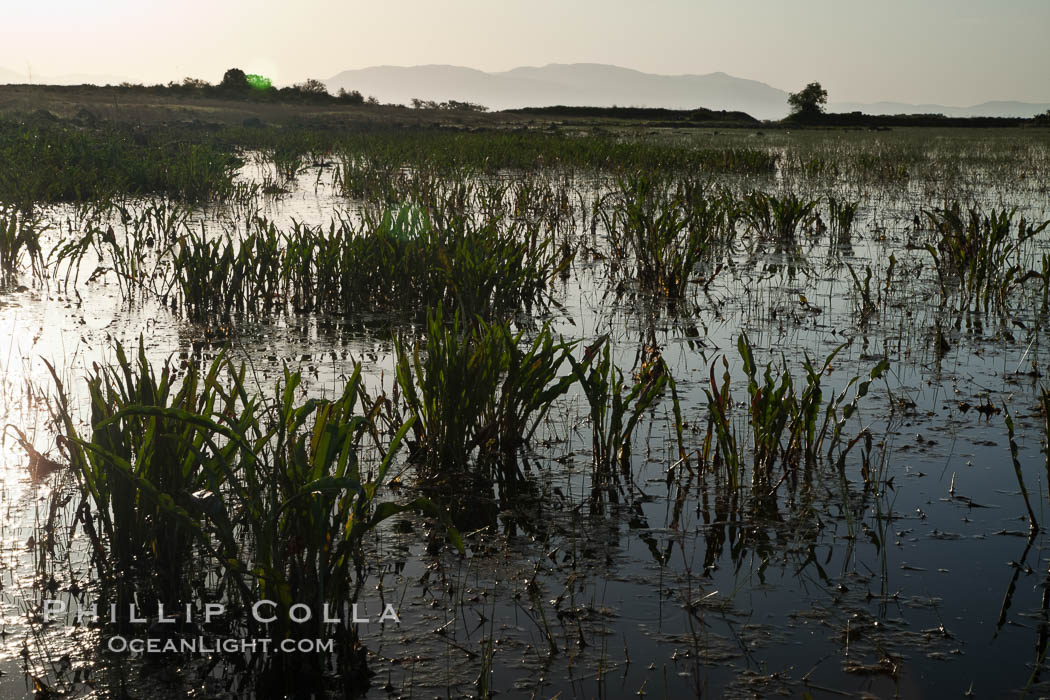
977 254
841 215
306 496
202 492
664 234
151 446
450 384
395 260
789 424
477 393
616 406
405 258
775 217
60 163
19 239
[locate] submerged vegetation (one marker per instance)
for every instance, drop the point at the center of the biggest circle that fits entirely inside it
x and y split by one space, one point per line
788 426
979 254
476 397
275 493
466 372
53 163
394 260
664 235
19 241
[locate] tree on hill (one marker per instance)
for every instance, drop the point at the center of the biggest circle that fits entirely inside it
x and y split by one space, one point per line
809 100
234 79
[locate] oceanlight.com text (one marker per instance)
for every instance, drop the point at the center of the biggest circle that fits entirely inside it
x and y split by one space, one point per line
201 645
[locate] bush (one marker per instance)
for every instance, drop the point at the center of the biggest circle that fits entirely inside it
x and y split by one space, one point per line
312 87
353 97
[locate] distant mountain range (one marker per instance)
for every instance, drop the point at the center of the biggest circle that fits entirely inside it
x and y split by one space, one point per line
601 85
590 84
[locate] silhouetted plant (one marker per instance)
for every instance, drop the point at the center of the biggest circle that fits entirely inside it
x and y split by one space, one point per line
809 100
235 80
312 86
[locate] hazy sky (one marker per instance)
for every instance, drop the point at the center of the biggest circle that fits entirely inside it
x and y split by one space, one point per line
955 52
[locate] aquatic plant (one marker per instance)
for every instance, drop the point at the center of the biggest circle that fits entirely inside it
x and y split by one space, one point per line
615 405
664 234
777 217
976 253
287 159
1043 275
785 422
841 214
58 162
389 151
450 385
1033 525
19 238
477 396
868 299
208 491
1044 404
789 425
720 449
150 448
307 499
530 386
210 275
132 243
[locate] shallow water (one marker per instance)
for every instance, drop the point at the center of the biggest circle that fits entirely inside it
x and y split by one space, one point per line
679 588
